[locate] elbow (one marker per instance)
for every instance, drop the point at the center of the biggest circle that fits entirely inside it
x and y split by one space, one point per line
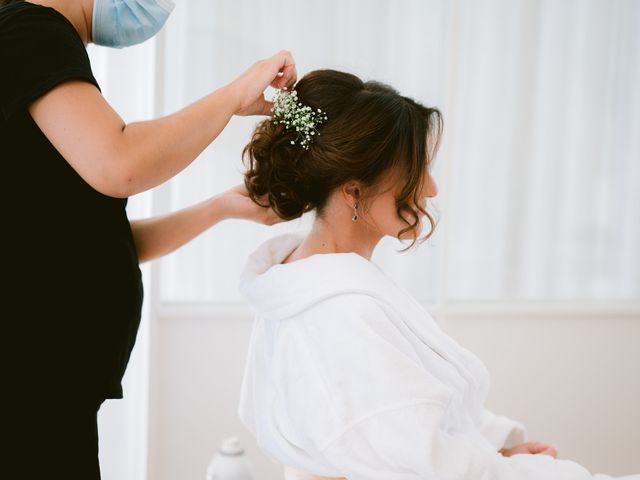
142 259
114 189
119 183
142 253
128 186
113 169
124 179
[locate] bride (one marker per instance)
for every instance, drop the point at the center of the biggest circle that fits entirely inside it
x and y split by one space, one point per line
347 376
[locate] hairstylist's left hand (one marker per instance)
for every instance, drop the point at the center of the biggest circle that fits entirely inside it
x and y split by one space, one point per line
237 204
278 71
531 448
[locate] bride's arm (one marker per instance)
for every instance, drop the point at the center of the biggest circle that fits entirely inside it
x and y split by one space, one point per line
158 236
410 443
502 431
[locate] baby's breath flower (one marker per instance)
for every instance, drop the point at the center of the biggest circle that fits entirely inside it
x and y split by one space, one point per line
295 116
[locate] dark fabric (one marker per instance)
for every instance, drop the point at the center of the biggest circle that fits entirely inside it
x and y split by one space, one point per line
47 439
69 268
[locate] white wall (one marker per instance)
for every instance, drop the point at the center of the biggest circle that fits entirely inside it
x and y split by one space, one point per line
571 379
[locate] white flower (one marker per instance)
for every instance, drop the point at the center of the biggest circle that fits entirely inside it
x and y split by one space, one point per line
293 115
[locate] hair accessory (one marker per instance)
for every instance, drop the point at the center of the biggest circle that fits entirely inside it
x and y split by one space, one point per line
296 117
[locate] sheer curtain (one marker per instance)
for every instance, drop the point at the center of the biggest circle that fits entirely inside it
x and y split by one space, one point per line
543 151
538 173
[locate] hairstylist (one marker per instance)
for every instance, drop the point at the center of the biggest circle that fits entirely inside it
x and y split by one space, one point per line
72 286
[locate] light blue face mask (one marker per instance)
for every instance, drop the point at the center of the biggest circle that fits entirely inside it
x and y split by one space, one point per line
122 23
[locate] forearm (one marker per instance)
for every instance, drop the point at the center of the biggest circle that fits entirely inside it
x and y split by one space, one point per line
156 150
159 236
119 159
502 431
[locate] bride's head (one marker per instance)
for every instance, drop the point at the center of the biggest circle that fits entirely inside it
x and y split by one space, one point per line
371 157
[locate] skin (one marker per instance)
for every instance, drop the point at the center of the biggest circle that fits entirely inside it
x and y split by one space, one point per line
120 159
335 232
531 447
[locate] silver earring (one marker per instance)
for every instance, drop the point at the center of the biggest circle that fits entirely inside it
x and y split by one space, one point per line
355 213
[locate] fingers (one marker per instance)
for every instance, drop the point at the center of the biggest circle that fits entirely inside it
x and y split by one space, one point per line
260 106
266 108
278 82
537 447
287 74
543 449
533 448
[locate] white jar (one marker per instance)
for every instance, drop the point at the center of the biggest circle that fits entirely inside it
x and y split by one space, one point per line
230 462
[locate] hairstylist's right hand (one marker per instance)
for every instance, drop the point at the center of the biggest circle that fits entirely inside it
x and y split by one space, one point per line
278 71
236 203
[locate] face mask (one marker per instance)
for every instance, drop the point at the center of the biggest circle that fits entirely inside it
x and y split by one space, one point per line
122 23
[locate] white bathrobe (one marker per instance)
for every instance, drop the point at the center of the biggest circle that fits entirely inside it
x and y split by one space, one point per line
348 376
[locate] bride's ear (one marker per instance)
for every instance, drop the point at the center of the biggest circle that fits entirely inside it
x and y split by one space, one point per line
351 192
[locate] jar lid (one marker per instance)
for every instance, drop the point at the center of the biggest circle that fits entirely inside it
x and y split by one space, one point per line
231 446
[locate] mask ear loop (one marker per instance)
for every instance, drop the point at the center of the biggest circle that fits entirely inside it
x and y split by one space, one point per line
355 212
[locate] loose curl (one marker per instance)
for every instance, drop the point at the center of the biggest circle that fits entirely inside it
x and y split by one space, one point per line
371 130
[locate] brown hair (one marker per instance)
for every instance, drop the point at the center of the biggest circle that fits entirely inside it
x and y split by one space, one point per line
371 129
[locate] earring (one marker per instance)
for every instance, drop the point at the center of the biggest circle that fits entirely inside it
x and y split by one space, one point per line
355 212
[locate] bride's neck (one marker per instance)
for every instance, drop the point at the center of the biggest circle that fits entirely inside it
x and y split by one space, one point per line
330 236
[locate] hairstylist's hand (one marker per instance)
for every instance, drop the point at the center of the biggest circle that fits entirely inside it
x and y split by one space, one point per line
532 448
237 204
278 71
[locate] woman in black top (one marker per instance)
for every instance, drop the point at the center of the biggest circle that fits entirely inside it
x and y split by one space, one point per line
72 282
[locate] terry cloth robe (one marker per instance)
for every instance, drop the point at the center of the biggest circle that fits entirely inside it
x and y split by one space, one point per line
347 375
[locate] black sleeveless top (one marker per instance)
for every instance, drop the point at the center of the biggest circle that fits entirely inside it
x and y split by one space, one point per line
72 285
